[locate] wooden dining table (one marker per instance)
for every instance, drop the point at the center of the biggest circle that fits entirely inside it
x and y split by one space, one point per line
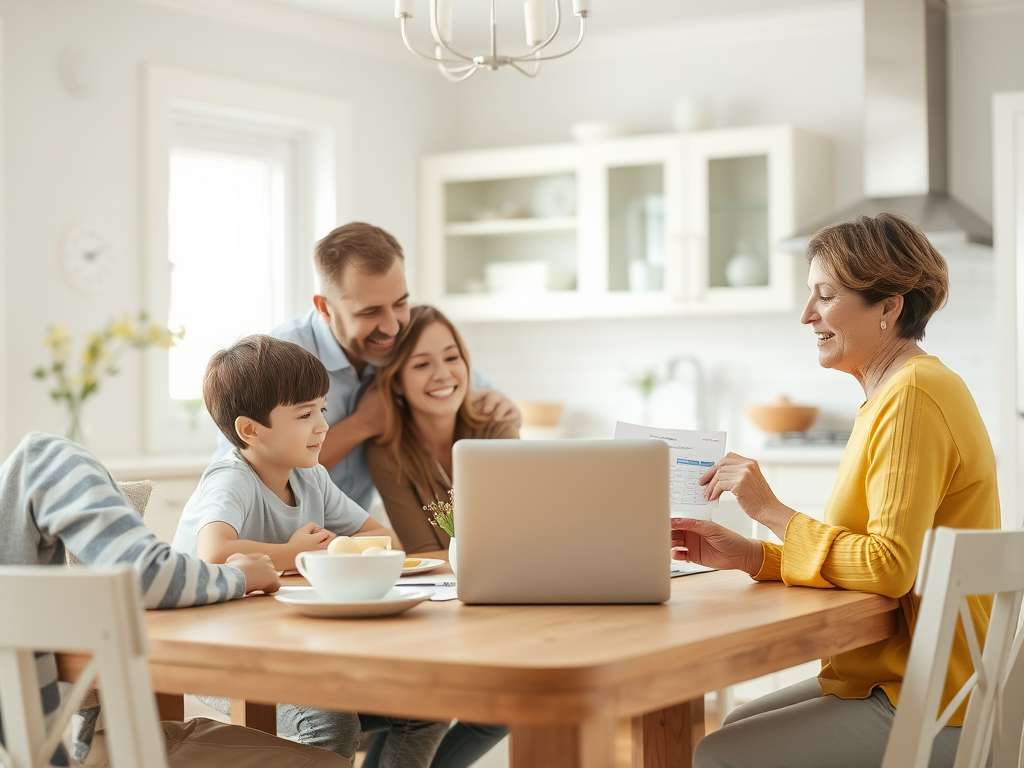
561 676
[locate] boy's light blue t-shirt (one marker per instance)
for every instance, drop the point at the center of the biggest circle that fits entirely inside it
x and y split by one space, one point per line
231 492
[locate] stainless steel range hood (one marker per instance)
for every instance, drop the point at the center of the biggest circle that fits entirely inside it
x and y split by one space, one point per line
905 134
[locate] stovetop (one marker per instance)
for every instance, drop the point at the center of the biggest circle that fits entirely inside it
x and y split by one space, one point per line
810 437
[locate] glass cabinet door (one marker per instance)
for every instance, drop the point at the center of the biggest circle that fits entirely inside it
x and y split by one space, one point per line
636 228
749 189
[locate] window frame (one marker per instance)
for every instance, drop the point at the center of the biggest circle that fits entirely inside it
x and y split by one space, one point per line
320 130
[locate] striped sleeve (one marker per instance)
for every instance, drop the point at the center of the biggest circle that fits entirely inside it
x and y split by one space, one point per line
67 495
911 460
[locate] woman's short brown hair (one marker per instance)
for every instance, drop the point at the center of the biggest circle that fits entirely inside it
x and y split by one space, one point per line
359 245
255 375
885 256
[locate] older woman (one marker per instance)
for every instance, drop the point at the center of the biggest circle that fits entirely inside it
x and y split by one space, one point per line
426 408
919 457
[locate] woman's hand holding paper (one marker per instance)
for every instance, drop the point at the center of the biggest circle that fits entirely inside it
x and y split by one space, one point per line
715 546
742 477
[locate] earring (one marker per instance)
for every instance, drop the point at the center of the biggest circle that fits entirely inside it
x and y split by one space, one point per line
883 325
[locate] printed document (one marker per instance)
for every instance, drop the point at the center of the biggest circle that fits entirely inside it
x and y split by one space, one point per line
691 453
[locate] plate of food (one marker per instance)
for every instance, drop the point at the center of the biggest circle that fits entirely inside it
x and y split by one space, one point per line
420 565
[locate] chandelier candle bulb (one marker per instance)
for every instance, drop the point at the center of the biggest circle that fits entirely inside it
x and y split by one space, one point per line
457 66
536 22
441 18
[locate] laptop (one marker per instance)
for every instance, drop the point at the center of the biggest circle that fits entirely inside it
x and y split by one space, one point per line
562 521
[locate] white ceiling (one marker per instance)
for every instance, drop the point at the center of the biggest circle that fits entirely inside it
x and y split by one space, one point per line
607 14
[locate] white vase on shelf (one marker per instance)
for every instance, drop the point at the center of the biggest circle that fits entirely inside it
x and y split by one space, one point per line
746 269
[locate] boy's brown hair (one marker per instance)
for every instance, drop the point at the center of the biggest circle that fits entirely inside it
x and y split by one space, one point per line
357 245
255 375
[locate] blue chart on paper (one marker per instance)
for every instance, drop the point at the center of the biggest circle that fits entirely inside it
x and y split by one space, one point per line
686 474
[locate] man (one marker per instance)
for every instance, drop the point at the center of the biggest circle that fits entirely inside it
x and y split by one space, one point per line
352 328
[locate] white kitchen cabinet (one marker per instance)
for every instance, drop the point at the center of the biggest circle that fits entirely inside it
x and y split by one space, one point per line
626 227
747 190
557 231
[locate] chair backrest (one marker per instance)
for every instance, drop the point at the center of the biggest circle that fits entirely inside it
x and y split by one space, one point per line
98 612
954 565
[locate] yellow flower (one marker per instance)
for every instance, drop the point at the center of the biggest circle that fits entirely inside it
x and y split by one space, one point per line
57 335
98 358
95 351
122 330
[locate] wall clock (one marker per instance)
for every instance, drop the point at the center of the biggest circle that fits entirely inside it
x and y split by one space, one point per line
88 257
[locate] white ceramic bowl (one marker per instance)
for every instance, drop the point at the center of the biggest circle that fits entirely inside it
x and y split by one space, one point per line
346 577
595 130
516 276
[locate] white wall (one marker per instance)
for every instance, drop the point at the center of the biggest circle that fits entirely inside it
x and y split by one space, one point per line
3 256
805 68
72 158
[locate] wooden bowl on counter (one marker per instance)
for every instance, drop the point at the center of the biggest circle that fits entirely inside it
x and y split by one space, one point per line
539 414
782 416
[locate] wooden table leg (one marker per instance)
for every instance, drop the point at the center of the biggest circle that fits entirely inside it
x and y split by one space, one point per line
590 744
171 706
668 737
251 714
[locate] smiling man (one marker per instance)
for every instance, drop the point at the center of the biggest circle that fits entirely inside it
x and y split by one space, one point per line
363 304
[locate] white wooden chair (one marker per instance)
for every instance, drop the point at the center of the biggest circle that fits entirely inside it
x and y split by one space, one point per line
954 565
95 611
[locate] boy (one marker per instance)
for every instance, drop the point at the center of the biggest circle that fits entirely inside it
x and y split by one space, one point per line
271 495
54 495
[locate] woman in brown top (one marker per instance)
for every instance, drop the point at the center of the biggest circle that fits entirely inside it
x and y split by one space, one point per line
426 411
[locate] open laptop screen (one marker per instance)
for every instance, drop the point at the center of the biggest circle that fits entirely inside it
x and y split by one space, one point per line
562 521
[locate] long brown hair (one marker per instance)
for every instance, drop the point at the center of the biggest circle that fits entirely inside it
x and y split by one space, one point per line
401 438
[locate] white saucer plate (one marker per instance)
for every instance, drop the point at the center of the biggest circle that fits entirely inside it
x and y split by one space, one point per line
306 601
425 564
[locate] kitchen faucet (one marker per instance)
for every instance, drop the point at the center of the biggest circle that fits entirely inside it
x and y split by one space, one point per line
698 384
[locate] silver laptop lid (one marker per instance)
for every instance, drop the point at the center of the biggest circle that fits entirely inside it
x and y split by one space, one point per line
562 521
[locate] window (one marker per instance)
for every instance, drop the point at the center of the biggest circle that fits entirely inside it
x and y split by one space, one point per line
228 227
242 179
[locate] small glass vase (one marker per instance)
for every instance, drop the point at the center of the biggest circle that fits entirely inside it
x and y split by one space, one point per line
74 426
451 556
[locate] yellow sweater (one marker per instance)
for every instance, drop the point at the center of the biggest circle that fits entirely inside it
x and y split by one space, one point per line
919 457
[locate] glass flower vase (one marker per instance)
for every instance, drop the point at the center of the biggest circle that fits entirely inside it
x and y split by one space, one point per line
74 426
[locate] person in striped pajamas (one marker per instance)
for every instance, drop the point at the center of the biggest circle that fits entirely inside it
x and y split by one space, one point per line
54 495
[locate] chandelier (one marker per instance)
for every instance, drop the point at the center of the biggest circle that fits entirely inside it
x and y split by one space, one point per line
457 66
